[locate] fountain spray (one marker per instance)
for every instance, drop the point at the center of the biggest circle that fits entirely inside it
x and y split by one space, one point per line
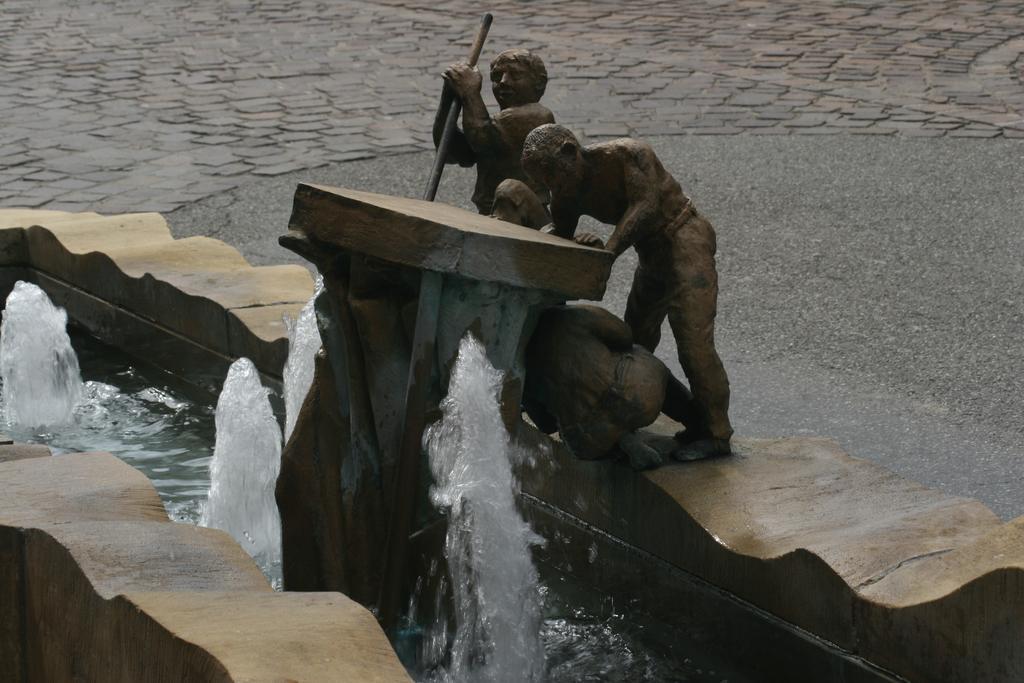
41 380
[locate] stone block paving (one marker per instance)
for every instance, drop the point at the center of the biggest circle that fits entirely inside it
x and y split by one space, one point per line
125 106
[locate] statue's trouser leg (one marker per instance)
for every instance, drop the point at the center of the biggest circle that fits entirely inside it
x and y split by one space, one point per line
692 299
680 406
646 308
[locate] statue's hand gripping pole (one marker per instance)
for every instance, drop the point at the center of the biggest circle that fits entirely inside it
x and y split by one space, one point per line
453 114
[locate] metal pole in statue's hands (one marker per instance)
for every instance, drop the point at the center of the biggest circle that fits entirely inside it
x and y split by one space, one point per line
453 113
421 365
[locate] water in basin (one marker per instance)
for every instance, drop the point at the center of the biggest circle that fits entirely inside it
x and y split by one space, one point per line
152 421
165 428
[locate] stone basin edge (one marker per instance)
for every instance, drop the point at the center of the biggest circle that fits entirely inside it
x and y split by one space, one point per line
951 614
129 274
98 584
167 635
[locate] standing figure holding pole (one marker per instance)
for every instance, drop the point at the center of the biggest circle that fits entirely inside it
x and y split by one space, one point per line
495 144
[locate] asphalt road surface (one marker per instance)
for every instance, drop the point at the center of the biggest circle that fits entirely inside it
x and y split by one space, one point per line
871 289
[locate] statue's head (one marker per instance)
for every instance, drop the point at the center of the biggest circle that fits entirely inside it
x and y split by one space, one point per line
518 77
553 156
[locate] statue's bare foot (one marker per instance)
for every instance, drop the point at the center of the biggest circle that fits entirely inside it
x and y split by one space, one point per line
701 448
641 456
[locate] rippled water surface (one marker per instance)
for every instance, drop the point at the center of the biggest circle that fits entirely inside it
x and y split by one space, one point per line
594 637
590 636
149 419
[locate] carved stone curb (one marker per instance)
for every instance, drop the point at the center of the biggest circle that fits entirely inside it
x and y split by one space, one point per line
125 274
96 583
923 584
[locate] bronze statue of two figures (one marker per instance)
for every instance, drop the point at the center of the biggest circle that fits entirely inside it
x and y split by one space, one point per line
591 376
405 280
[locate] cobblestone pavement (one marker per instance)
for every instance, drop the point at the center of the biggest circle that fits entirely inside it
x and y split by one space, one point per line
115 106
